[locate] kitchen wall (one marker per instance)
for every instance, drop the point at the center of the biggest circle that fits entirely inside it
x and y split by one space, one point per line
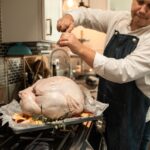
117 4
91 38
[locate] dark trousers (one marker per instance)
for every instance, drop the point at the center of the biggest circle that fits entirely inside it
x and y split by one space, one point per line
145 145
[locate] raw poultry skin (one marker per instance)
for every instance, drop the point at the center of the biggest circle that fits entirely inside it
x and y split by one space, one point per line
55 97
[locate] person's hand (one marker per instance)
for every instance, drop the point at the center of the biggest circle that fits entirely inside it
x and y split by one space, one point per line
65 24
69 40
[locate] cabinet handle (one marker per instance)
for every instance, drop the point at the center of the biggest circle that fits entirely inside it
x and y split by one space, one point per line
49 26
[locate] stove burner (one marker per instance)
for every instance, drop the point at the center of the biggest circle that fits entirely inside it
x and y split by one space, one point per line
72 138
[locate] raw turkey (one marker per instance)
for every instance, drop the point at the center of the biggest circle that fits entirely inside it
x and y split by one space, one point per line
55 97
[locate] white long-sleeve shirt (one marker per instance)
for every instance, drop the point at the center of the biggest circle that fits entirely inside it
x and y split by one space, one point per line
136 65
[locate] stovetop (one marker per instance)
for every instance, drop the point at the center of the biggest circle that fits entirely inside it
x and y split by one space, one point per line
75 137
43 140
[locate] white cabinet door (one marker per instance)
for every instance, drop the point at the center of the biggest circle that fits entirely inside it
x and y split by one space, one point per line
52 12
29 20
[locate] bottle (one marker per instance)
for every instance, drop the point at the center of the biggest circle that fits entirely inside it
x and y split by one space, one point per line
54 73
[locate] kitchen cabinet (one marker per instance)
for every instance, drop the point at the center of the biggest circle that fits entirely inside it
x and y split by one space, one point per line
30 20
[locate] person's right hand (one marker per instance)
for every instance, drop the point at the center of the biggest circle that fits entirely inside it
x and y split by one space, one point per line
65 24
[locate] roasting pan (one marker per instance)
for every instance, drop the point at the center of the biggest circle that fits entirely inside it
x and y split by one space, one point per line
13 107
55 124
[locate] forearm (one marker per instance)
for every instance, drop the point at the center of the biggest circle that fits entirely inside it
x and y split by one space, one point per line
87 54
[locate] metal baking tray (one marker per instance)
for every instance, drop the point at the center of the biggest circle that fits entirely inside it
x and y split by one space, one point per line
8 111
55 124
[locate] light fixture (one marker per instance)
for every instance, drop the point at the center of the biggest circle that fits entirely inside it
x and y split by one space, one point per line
69 4
82 4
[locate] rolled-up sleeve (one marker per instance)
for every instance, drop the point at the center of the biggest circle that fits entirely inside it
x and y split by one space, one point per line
99 62
132 67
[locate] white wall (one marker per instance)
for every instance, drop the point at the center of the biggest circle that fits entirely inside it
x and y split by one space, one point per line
98 4
119 4
95 39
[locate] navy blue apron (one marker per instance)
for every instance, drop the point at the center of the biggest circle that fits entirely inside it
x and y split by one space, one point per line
125 117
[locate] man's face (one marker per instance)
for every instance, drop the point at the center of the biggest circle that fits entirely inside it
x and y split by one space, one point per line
140 13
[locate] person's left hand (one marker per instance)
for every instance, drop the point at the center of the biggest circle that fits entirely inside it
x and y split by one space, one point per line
69 40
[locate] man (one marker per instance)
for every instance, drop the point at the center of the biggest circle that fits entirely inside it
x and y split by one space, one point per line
124 69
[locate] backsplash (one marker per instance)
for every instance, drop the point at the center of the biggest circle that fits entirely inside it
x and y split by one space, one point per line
14 69
10 78
3 82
